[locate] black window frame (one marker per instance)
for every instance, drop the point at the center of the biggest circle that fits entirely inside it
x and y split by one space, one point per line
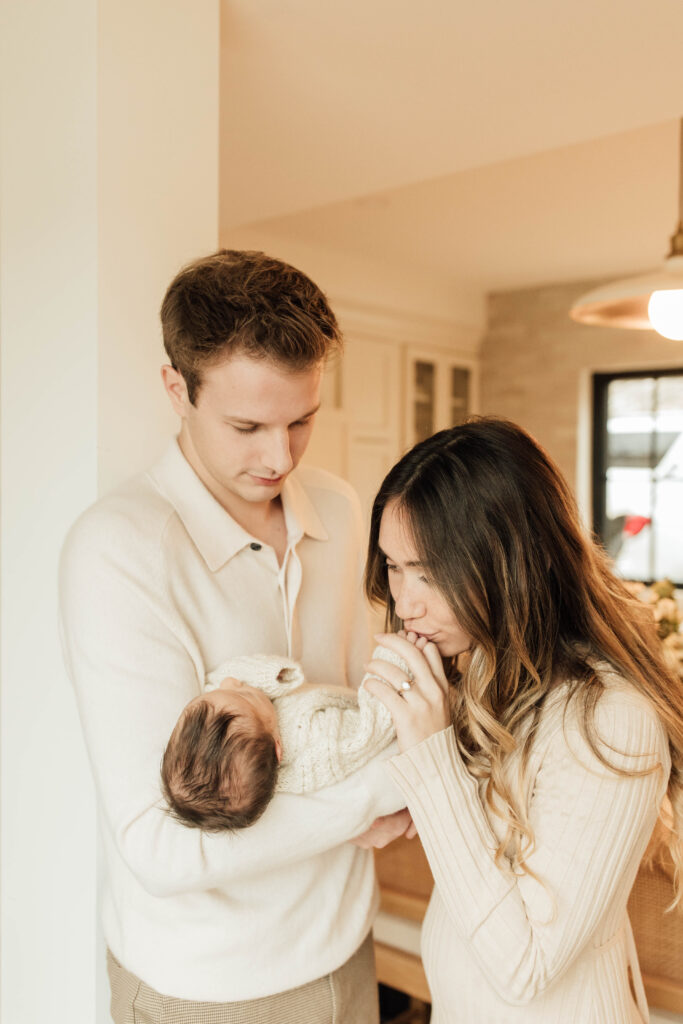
601 382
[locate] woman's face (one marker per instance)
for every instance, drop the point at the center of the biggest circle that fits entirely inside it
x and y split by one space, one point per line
419 603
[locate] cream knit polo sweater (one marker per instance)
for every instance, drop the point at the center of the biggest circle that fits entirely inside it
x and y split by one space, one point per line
158 585
556 948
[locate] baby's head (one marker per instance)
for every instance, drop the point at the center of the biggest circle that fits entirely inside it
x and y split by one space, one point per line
220 766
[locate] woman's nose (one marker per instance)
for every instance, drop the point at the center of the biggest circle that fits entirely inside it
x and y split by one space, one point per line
408 605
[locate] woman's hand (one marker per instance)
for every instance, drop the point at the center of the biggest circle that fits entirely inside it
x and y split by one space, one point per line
419 708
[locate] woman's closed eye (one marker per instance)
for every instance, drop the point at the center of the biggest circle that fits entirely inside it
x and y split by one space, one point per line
390 567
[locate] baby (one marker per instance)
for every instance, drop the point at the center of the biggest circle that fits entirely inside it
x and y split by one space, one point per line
249 735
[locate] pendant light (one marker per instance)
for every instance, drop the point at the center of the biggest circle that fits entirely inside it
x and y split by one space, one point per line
649 302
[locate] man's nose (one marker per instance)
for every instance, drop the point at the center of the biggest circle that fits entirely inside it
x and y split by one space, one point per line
278 455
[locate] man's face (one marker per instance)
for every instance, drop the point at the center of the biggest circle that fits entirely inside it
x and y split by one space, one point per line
249 427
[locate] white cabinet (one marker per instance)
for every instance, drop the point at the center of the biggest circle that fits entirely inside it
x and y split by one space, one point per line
386 393
371 397
441 390
328 446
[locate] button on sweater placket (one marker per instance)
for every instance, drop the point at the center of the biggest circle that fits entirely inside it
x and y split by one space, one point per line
289 584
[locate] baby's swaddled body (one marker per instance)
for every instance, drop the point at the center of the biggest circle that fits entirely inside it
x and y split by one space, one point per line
327 732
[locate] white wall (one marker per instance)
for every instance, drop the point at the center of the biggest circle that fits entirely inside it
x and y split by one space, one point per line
403 291
86 249
158 203
48 374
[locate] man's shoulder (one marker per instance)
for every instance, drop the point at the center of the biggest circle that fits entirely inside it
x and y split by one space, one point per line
131 517
334 500
320 484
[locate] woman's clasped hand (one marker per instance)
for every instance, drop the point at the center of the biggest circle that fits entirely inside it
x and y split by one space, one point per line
418 702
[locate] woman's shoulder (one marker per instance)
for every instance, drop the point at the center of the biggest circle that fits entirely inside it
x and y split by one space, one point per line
621 696
615 692
620 719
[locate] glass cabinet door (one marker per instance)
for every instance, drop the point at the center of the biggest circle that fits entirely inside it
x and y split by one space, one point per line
440 391
424 401
459 398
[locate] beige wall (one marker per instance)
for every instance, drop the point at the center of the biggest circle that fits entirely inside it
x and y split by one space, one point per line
403 291
536 366
157 204
48 380
109 135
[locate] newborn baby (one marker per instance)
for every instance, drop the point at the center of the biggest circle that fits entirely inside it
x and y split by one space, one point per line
249 735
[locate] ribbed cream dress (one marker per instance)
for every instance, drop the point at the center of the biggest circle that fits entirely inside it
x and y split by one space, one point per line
499 949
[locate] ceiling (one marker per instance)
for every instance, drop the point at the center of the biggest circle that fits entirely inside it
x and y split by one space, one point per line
498 146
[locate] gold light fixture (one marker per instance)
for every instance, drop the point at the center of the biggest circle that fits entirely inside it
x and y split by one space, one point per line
649 302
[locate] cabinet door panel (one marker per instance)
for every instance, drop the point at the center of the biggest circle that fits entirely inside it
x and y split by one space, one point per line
372 387
369 462
328 447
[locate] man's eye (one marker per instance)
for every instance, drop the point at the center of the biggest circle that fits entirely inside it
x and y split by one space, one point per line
300 423
244 430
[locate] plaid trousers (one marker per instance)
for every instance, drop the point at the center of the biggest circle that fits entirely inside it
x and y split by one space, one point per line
347 996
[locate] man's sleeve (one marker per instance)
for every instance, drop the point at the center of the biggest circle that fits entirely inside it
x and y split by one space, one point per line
133 672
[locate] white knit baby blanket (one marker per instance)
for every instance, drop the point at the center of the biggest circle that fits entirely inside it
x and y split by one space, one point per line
327 732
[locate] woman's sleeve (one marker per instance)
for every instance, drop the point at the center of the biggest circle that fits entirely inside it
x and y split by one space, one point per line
591 827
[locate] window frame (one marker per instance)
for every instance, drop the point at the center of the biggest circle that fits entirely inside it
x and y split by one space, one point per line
600 386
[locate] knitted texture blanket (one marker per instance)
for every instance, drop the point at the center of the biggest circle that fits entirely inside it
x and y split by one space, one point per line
326 732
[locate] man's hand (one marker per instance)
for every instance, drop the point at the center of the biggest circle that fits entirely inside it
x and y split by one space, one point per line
384 830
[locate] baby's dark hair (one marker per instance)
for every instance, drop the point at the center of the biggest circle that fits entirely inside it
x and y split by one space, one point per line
219 769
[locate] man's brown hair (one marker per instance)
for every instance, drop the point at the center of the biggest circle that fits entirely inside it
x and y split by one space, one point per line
240 301
219 769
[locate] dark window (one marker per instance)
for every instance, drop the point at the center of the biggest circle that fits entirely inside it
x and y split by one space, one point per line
638 471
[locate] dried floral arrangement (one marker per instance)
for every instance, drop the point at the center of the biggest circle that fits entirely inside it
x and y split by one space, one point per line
668 617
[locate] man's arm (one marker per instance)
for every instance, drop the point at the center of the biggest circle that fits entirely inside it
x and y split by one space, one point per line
133 672
385 829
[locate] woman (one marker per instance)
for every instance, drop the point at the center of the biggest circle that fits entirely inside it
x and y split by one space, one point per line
539 735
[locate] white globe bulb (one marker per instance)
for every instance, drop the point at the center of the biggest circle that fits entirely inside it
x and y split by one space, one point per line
665 310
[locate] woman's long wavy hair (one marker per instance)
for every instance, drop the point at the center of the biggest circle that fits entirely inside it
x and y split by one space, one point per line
497 530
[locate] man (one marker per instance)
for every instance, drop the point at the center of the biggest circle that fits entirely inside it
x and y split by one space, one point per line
221 550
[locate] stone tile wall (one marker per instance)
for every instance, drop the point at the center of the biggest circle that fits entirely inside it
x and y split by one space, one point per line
535 365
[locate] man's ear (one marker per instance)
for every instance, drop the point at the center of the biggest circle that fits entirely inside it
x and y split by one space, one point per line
278 751
176 389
